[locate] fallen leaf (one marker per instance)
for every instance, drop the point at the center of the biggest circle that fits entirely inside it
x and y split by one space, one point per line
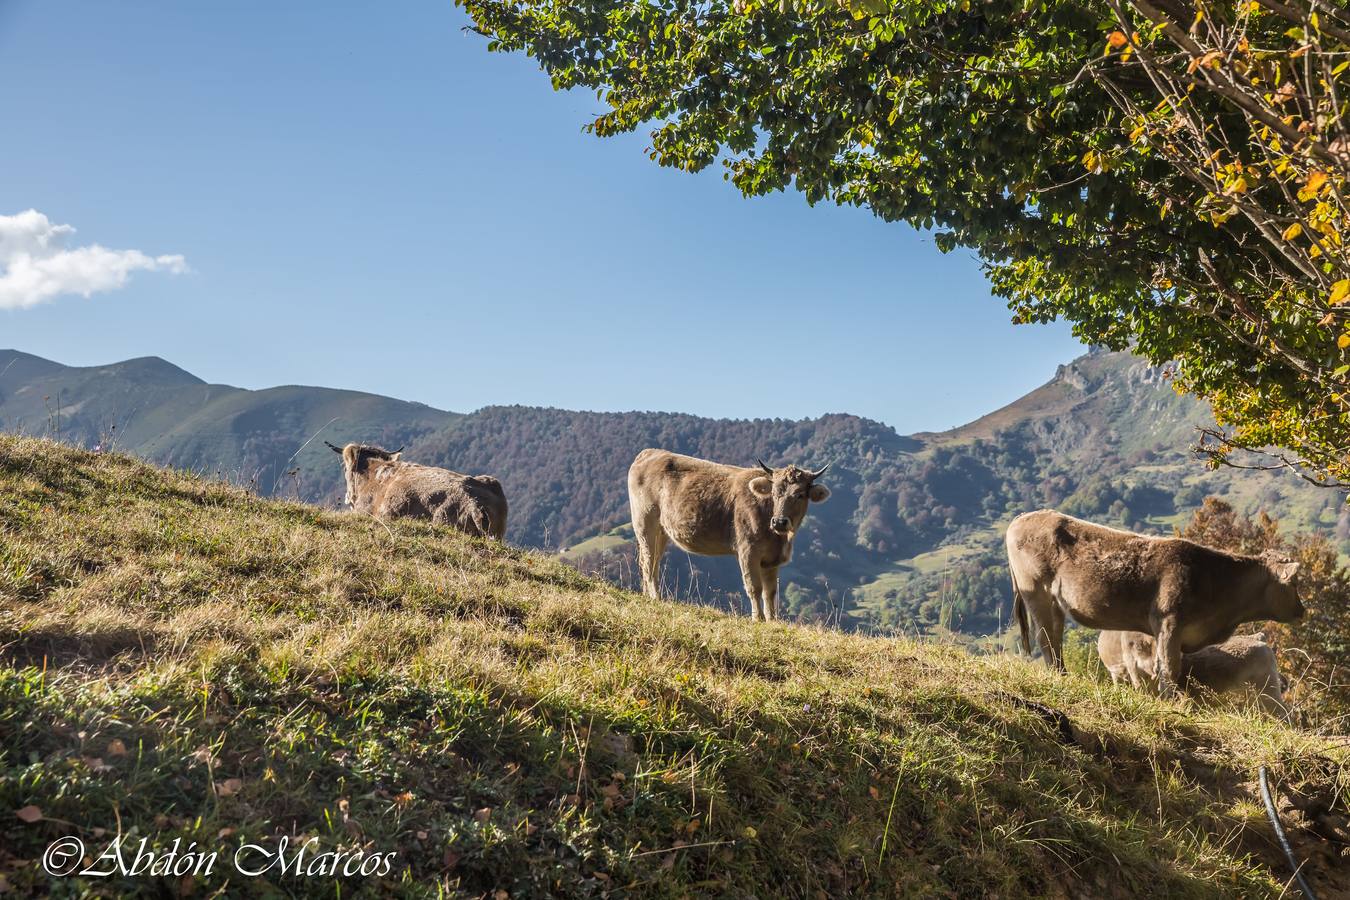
483 815
421 835
29 814
116 748
450 859
876 794
229 787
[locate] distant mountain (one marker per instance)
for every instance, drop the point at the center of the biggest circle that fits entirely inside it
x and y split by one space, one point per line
910 539
157 411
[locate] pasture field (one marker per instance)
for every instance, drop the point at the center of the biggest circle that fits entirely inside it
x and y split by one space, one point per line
182 660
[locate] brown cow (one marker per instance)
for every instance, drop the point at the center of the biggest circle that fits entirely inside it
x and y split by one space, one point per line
380 483
1186 595
717 510
1239 663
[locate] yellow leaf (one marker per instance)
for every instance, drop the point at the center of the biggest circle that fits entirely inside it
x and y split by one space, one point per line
1116 39
1343 341
1340 291
1293 231
1315 182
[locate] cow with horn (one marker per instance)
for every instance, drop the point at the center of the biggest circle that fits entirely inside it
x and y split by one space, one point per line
716 510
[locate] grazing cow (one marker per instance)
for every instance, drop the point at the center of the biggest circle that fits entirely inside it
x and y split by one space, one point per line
1239 663
1186 595
380 483
717 510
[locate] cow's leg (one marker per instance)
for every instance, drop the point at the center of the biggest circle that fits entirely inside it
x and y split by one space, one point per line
1167 657
769 592
1136 681
1052 638
1048 620
651 545
751 576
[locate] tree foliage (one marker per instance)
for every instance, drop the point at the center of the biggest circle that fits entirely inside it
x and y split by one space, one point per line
1167 175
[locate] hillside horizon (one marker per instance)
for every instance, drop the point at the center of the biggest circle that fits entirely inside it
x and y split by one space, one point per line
909 540
13 356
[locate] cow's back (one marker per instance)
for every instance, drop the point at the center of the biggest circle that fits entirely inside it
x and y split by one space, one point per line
1104 577
473 504
693 499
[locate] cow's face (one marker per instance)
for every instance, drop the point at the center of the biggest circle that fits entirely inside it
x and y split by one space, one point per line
791 489
356 465
1283 604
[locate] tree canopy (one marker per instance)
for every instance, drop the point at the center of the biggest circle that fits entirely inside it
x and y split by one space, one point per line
1166 175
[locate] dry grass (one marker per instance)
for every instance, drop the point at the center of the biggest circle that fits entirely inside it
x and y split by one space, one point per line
506 724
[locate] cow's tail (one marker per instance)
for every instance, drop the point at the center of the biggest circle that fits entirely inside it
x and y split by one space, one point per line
1020 613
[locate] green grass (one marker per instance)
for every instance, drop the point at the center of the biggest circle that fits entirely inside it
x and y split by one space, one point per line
610 540
184 661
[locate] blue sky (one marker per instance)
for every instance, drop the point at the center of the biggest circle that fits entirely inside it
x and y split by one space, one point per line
366 198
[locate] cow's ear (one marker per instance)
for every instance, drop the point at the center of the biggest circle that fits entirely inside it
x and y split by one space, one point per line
396 457
819 493
761 486
1287 572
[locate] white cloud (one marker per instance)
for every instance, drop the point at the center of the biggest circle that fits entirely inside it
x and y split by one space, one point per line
36 265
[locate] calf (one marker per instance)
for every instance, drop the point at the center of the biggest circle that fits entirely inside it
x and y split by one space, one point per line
1240 663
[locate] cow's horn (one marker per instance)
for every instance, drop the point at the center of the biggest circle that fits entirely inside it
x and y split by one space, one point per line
335 449
815 475
767 470
398 451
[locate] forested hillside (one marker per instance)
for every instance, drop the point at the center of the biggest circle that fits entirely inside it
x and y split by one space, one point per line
911 537
909 540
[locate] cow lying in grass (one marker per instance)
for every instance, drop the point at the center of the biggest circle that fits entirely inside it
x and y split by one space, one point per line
380 483
1185 595
1239 664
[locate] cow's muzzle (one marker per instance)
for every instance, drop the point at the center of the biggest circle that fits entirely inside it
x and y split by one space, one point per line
779 524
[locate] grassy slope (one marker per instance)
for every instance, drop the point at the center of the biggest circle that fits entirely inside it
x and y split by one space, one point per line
506 724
